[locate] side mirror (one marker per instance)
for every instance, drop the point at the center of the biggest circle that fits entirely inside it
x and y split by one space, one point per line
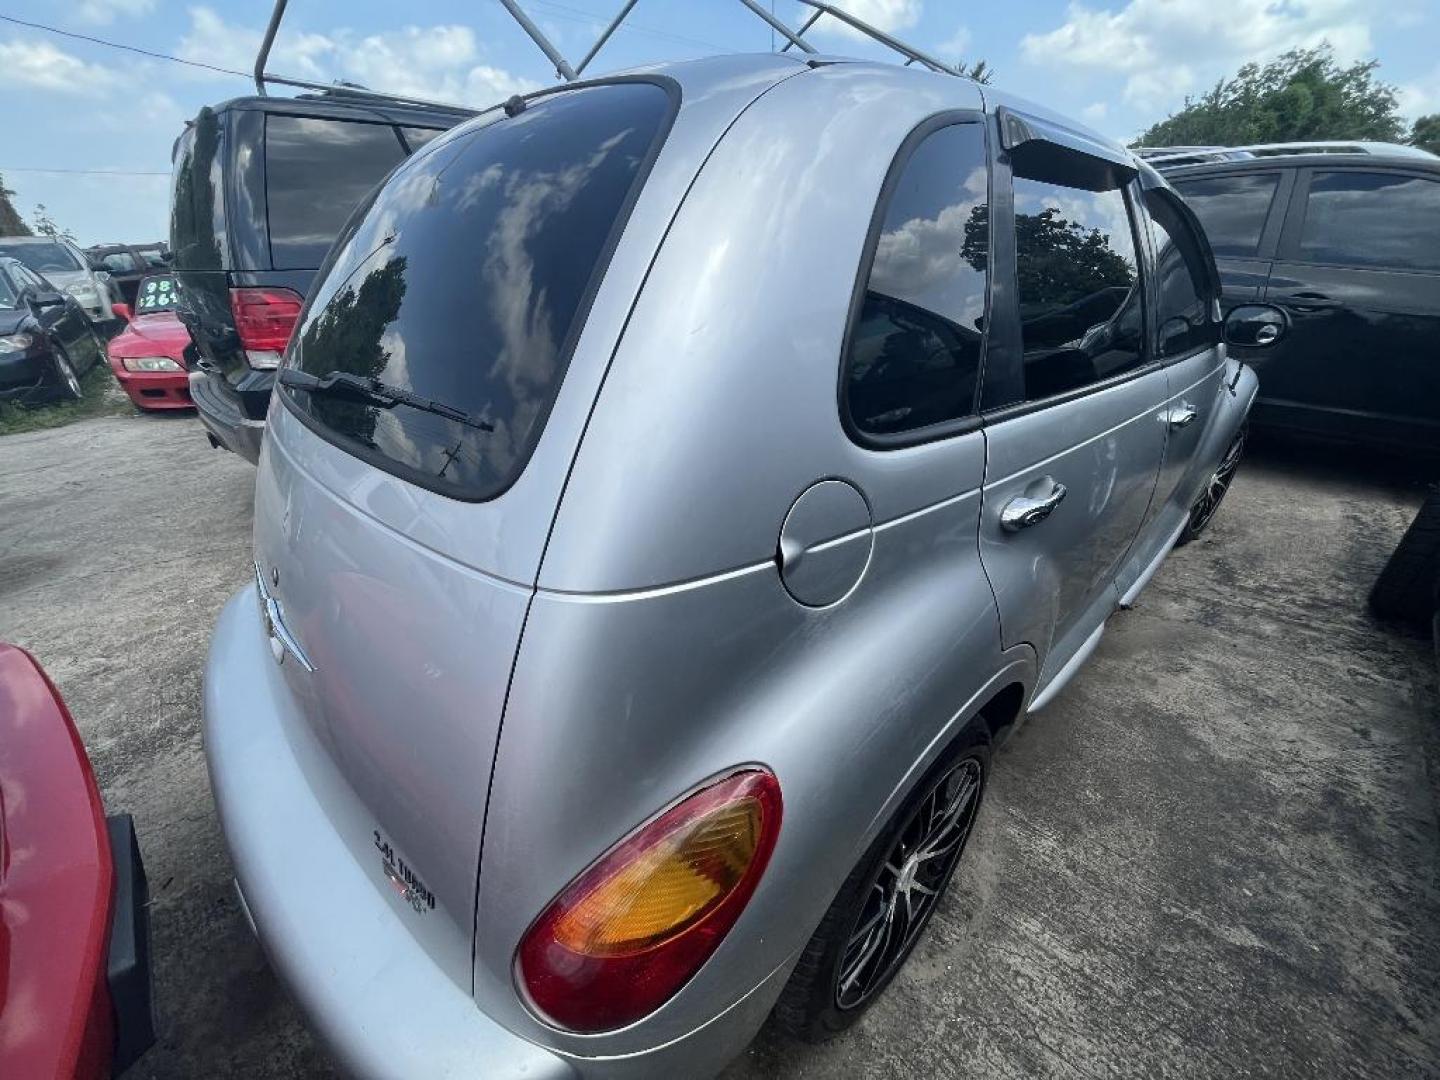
122 312
1256 326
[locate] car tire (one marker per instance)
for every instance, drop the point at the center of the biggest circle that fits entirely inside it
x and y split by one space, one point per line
1404 591
834 982
67 383
1202 513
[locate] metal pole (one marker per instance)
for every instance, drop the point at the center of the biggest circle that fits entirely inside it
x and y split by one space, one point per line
270 32
562 68
776 23
882 37
605 36
811 21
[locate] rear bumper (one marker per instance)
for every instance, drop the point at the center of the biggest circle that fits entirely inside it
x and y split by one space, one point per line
374 995
223 420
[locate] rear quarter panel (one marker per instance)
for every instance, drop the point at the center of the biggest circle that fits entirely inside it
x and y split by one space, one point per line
662 648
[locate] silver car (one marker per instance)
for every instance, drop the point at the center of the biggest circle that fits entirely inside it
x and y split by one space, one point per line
677 484
66 267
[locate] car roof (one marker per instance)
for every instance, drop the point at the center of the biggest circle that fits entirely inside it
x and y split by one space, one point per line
696 76
1271 156
7 241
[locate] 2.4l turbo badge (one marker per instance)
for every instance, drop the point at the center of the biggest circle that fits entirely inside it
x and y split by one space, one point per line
401 878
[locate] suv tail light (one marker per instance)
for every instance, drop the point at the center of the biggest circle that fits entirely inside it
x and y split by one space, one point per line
629 932
264 319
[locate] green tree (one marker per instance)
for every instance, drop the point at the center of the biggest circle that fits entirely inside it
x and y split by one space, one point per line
1302 95
11 223
347 336
45 225
979 71
1064 260
1426 133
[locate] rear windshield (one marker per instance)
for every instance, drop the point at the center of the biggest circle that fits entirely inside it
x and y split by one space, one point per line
466 282
316 173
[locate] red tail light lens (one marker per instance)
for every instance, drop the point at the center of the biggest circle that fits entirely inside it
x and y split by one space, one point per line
629 932
264 319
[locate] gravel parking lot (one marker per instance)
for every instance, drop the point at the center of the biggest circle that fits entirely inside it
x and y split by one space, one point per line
1214 855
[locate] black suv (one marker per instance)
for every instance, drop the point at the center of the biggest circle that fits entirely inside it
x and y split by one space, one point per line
1345 239
260 186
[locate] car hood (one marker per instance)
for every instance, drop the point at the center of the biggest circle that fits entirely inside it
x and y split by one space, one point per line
68 279
151 335
11 318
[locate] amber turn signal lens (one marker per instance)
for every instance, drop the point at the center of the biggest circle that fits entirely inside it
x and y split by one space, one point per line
633 929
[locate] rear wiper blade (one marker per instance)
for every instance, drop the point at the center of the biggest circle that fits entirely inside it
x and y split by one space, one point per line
373 391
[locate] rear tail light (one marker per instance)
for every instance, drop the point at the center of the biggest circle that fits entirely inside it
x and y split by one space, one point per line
629 932
264 319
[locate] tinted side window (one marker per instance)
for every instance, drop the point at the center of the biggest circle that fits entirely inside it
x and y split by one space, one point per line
1372 219
467 282
914 351
1233 209
1183 306
316 173
1082 317
196 207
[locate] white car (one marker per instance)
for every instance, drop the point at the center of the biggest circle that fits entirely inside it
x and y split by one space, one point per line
65 266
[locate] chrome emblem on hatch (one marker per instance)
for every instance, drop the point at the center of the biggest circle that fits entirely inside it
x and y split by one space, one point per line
281 640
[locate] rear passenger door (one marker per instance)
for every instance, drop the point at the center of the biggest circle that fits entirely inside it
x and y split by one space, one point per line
1073 395
1359 274
1184 292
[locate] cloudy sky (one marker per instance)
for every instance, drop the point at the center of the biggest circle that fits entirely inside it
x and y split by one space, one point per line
91 126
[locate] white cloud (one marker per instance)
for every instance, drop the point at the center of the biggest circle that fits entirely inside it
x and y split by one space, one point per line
955 47
40 65
104 12
1420 97
1169 48
1095 111
439 62
887 15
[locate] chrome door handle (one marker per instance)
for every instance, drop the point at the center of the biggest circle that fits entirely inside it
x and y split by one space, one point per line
1181 415
1023 511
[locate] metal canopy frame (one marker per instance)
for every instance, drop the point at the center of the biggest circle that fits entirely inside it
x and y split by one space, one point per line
564 70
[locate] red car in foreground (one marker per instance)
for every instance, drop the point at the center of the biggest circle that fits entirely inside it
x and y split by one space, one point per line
74 931
148 356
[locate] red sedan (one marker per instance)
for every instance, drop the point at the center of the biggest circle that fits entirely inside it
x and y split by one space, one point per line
74 933
148 356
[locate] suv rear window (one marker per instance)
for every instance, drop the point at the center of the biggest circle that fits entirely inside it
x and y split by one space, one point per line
467 280
316 173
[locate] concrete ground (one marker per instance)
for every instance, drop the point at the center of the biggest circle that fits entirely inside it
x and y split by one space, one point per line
1214 856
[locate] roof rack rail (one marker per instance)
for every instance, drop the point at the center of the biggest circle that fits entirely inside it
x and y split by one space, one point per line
1172 157
563 68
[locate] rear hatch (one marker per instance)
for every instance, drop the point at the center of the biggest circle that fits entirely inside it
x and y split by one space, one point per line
399 534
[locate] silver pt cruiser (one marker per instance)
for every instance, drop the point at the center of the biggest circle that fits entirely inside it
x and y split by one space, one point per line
676 485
